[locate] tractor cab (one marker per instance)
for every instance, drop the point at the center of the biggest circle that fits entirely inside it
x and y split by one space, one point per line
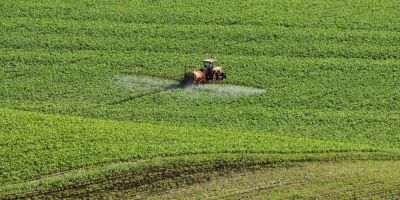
209 64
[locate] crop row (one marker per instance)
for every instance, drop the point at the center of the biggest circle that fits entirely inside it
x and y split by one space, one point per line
36 144
357 15
213 47
176 60
239 33
163 173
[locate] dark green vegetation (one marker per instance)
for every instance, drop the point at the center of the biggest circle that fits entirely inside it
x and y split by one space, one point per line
330 71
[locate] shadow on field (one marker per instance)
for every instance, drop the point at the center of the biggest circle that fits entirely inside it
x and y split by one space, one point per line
180 85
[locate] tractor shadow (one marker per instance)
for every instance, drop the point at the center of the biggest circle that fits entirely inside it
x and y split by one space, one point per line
170 87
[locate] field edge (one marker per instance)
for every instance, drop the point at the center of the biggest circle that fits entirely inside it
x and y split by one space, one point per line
160 174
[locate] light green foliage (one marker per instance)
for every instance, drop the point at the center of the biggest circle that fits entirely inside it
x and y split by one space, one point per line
329 72
34 144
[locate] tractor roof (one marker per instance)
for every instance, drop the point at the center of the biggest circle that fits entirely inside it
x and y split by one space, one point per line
210 60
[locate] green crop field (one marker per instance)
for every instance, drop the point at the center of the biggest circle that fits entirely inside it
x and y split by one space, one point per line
91 107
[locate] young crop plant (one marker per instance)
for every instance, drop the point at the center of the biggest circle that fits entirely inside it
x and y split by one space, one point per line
91 104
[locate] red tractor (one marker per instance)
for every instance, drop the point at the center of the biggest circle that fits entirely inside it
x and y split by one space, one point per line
210 73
